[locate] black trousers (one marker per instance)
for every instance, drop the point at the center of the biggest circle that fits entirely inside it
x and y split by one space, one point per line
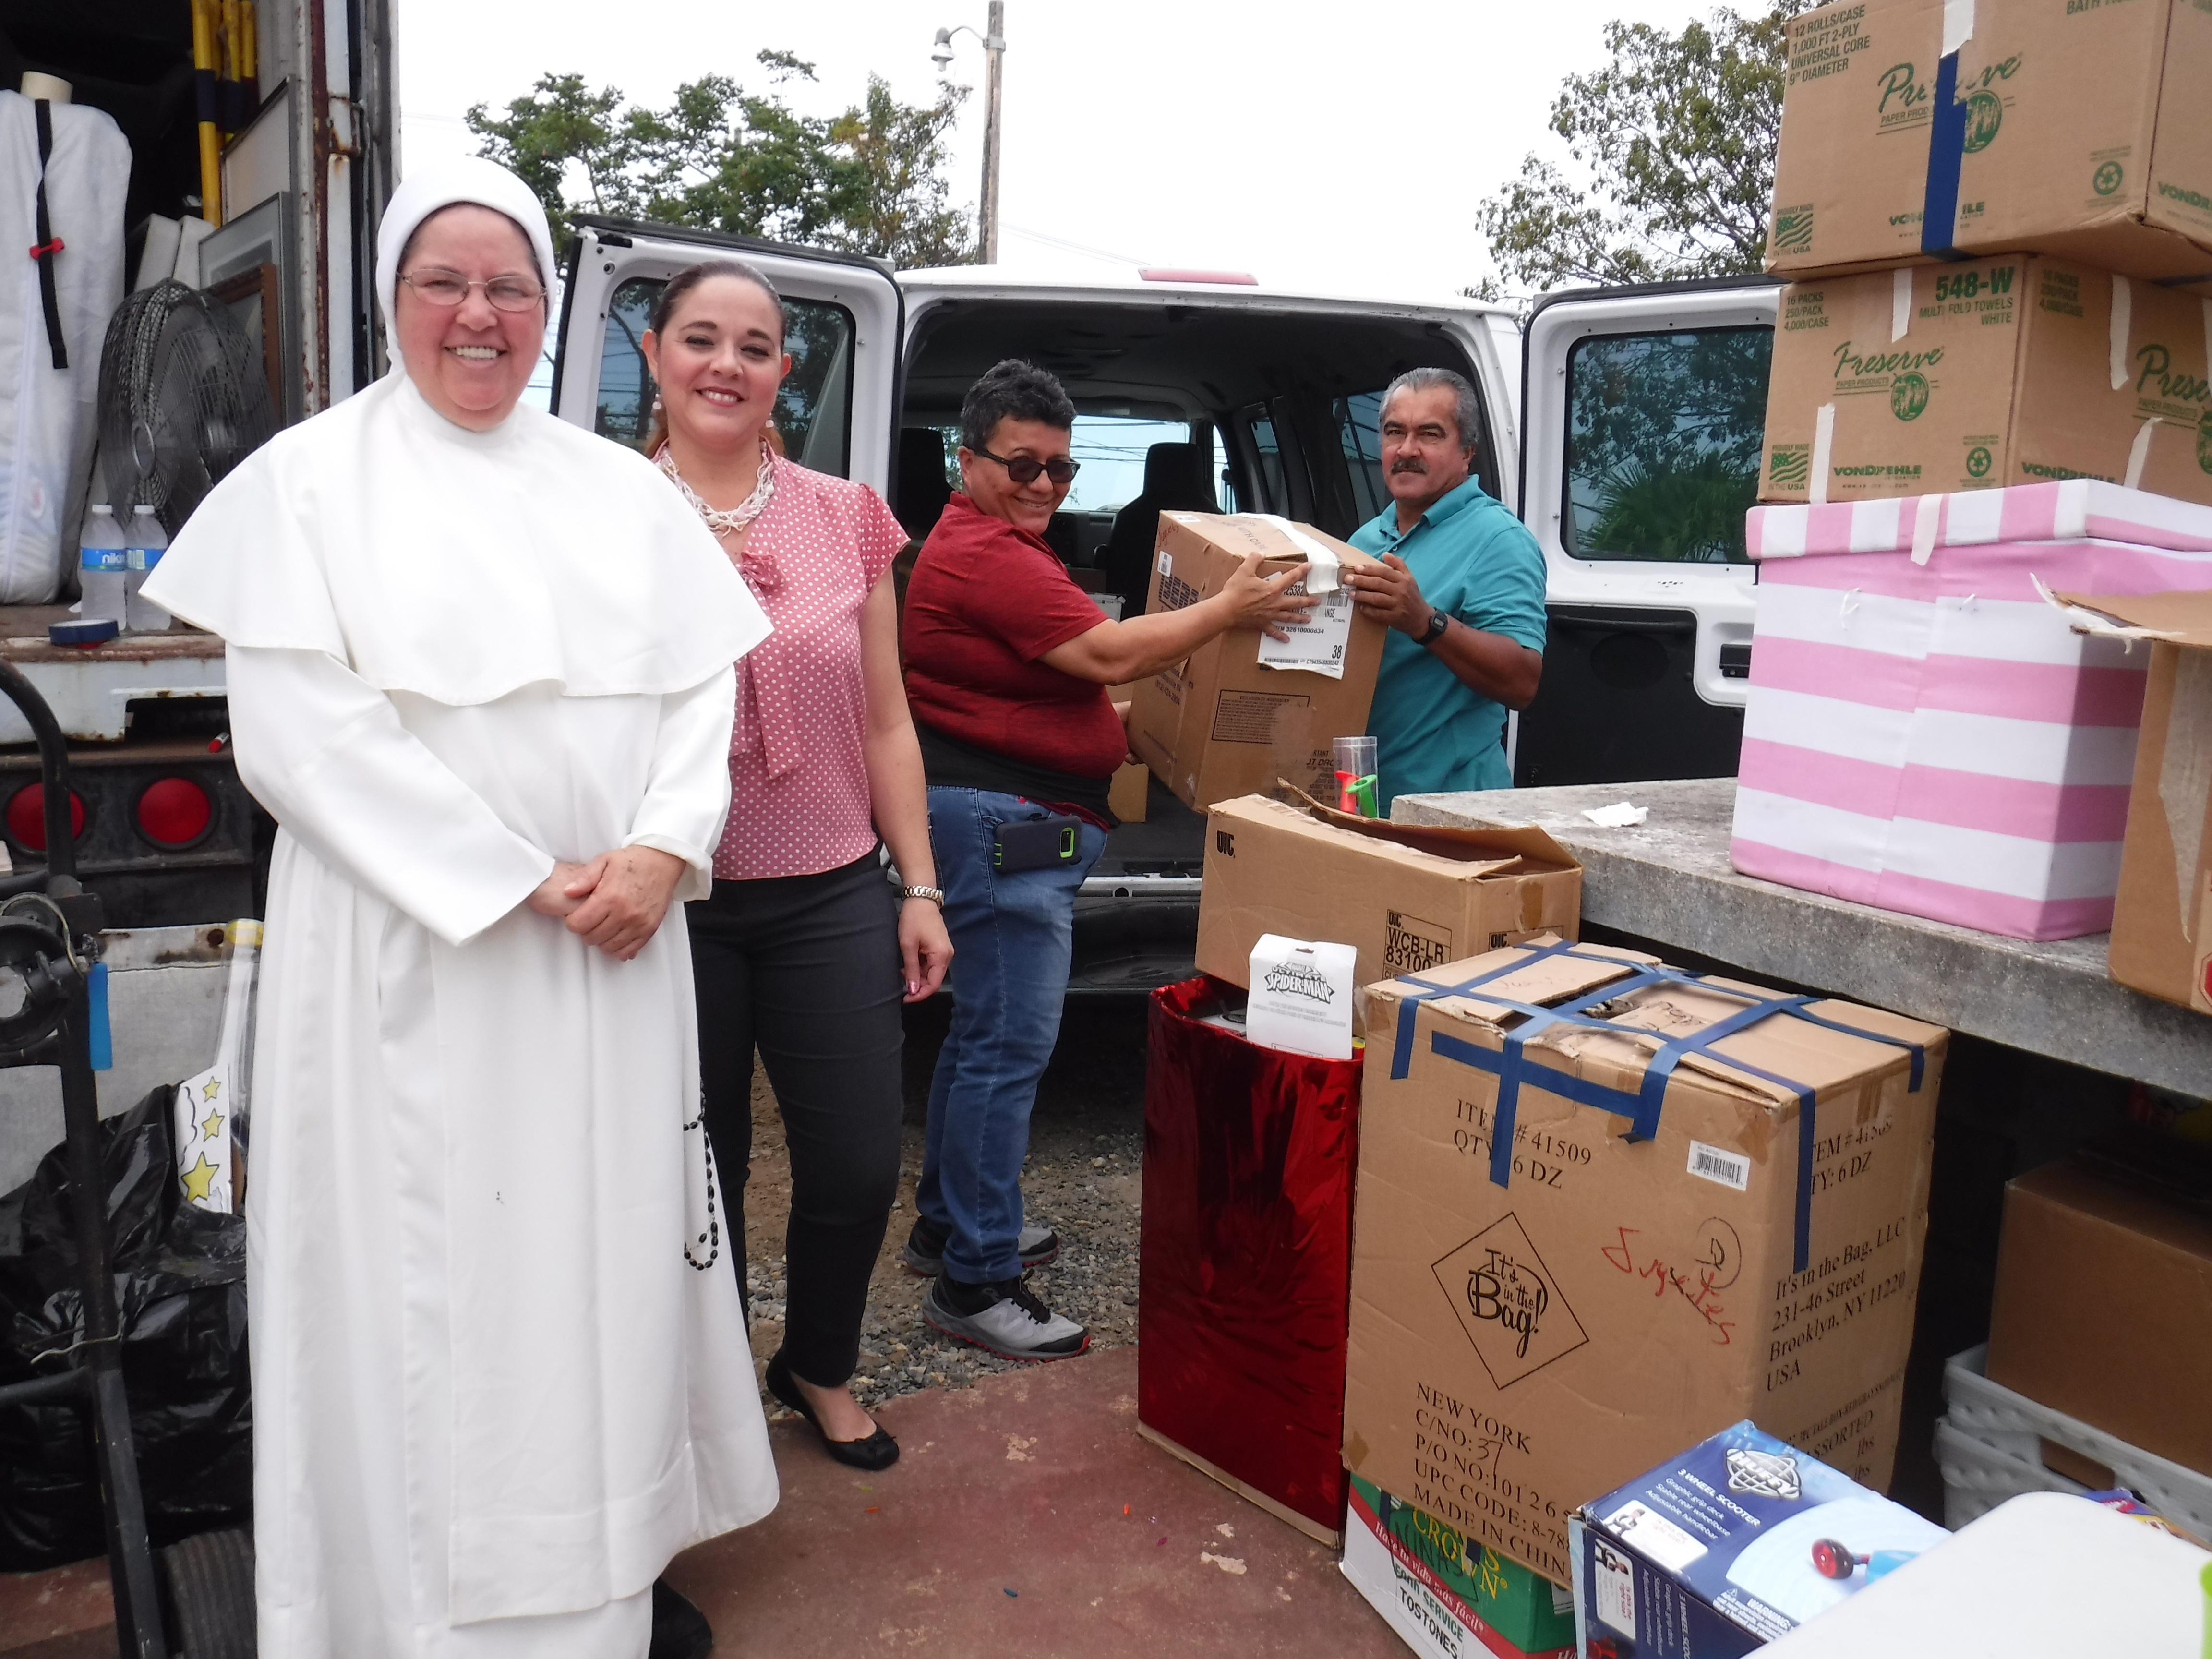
806 967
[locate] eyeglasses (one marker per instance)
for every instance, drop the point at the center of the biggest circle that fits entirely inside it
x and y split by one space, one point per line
448 288
1024 469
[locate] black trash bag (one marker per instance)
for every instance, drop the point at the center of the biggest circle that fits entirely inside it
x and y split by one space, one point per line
180 1290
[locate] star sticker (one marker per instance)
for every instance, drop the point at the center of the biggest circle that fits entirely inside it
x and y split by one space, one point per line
211 1088
197 1179
209 1124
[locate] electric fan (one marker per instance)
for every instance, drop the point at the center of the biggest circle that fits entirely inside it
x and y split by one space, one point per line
182 400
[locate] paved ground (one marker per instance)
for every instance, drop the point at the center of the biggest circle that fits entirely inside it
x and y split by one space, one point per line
1025 1517
1086 1146
1023 1478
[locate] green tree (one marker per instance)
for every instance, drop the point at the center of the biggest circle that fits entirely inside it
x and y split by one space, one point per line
719 157
1677 137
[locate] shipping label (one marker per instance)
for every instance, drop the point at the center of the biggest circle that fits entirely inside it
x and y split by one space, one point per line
1317 644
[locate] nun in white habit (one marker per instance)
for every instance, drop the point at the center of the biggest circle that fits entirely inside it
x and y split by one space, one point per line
480 670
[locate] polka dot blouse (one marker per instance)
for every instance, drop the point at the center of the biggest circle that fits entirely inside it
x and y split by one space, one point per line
798 785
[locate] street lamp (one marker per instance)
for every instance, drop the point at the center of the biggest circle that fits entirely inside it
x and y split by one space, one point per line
994 51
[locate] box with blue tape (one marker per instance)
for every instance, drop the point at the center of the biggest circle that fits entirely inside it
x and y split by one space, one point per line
1607 1207
1920 131
1732 1543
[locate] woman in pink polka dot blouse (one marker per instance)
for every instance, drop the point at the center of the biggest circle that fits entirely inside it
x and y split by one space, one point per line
804 949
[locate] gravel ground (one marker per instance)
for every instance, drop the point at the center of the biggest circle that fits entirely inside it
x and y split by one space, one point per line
1083 1179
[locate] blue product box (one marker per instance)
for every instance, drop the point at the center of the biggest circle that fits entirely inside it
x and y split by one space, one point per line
1728 1545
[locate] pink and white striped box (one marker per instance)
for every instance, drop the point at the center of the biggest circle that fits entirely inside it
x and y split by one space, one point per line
1925 733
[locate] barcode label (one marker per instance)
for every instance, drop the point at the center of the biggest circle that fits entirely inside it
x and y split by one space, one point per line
1166 563
1729 1168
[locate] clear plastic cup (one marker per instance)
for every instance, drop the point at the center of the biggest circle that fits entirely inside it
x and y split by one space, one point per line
1355 775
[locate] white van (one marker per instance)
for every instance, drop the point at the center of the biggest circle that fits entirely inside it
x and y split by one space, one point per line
1623 424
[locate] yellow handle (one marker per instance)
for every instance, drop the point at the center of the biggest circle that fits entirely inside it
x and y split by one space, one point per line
203 61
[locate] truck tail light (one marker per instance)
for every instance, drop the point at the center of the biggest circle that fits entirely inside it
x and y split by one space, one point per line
172 811
26 817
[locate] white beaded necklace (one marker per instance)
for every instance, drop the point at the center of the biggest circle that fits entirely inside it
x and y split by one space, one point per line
720 520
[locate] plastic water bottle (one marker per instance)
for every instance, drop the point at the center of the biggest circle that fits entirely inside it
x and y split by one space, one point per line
146 543
102 566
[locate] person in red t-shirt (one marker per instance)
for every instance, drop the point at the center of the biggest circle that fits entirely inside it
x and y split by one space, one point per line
1007 663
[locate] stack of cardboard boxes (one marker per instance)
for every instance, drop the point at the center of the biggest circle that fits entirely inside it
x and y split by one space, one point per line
1996 217
1990 379
1604 1208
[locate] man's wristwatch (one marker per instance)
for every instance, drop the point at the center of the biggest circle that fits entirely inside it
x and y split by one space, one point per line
934 895
1438 623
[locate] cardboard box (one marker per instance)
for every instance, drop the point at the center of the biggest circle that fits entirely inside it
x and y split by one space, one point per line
1407 897
1924 732
2104 1308
1128 791
2080 130
1448 1597
1734 1542
1221 723
2006 371
1542 1305
2163 918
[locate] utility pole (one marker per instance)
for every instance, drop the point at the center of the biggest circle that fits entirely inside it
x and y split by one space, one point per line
994 54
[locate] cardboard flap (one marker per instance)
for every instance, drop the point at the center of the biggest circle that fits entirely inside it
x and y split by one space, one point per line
1817 1057
1510 848
2182 618
1541 978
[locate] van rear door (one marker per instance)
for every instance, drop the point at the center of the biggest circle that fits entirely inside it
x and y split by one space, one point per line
1642 414
843 317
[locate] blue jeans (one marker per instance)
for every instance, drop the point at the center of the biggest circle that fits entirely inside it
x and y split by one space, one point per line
1012 935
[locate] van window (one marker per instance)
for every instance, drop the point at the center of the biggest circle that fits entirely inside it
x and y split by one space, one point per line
1359 426
1274 487
813 407
1111 449
1663 434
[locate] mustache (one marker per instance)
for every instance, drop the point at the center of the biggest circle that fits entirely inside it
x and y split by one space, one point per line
1411 464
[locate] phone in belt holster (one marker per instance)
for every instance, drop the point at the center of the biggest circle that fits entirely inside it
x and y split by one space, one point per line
1037 843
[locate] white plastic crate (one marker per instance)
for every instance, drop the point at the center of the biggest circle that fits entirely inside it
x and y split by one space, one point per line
1989 1445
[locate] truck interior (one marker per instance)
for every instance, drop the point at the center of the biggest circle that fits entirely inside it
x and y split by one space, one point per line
1247 410
1203 407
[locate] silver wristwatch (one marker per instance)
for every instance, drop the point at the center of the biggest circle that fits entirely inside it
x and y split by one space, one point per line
935 895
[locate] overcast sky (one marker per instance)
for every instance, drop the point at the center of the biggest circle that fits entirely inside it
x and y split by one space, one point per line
1332 148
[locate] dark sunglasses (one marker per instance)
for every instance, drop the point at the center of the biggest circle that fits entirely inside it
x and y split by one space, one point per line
1024 469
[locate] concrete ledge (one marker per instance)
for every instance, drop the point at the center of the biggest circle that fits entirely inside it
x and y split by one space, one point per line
1669 880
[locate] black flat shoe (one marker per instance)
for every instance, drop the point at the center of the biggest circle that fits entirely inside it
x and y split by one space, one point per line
680 1630
878 1451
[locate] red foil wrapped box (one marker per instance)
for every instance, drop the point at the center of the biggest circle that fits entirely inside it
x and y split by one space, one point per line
1245 1269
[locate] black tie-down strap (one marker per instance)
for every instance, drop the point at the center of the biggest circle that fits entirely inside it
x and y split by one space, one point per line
48 244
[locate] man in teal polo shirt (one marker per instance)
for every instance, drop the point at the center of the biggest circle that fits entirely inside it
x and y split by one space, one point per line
1462 589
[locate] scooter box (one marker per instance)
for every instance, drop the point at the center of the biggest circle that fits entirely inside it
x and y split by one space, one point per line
1732 1543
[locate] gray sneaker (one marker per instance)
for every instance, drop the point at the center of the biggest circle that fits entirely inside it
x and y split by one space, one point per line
925 1247
1005 1319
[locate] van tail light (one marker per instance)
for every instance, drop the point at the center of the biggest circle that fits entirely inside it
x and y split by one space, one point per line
172 811
26 817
